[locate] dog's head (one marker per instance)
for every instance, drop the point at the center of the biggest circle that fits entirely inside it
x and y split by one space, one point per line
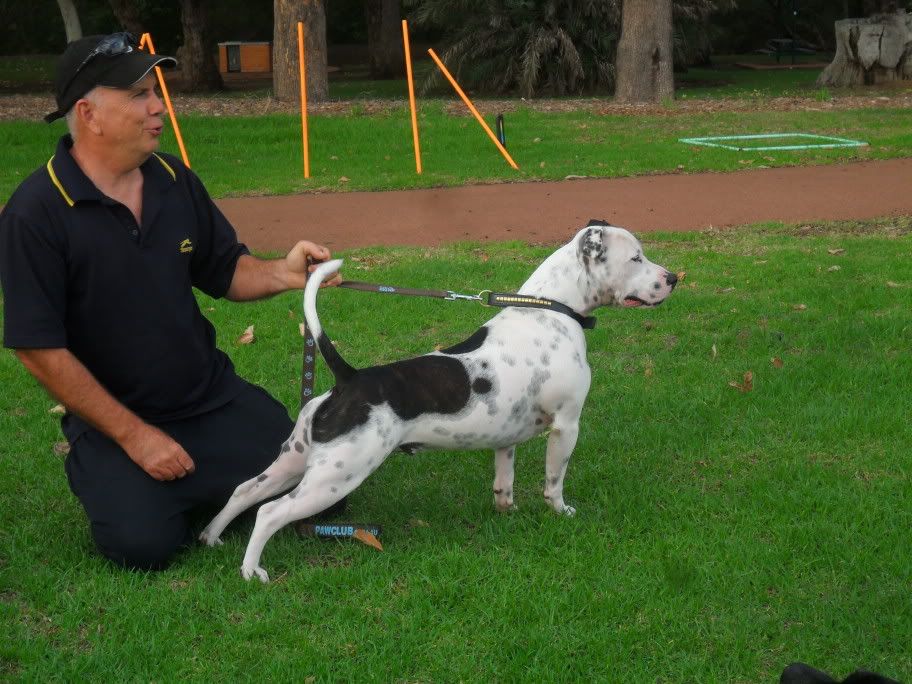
619 273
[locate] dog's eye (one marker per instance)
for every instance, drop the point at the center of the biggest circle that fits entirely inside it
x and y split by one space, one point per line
638 259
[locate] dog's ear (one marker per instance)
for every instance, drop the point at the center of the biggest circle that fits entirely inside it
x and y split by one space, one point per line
597 222
592 246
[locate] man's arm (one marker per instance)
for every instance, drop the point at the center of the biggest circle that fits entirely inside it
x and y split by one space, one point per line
259 278
75 387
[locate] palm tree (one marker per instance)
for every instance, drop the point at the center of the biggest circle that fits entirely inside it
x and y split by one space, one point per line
529 46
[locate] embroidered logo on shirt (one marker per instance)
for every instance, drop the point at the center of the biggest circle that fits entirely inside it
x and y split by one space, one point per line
186 246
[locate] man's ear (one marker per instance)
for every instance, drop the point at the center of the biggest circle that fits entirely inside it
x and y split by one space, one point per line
592 246
87 115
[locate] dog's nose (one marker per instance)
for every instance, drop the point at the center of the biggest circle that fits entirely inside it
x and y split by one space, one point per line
671 278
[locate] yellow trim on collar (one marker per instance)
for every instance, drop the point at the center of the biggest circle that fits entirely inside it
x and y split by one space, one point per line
165 164
57 182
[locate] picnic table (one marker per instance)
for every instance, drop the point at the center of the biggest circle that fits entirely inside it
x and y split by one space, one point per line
786 46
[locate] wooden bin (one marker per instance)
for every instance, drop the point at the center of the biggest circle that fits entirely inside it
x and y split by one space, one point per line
245 57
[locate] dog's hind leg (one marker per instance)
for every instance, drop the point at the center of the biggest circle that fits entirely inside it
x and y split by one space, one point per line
330 475
503 478
285 472
561 442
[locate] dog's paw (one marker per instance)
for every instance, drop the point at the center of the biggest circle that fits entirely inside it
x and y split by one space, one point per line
569 511
505 507
207 538
248 572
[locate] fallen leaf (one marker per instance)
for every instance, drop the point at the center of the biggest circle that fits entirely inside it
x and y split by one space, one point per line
800 307
834 268
573 176
59 409
838 250
890 283
682 275
417 522
247 336
291 314
715 352
777 362
302 328
343 179
61 448
745 386
366 537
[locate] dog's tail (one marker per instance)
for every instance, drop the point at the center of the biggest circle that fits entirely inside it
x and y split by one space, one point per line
339 366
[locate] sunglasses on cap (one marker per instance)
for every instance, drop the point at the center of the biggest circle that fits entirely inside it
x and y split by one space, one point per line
113 45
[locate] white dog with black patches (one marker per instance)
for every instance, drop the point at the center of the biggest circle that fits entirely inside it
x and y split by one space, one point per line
523 372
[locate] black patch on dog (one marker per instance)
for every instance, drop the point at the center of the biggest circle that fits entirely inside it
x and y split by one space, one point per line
592 248
260 478
469 345
481 386
427 384
597 222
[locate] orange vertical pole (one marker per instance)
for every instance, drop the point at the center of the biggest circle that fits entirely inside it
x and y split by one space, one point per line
303 69
147 40
472 109
411 88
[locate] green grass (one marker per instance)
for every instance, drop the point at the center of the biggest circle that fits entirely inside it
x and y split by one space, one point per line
262 155
720 535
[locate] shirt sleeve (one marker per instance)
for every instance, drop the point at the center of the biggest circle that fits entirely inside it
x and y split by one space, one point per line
33 275
217 250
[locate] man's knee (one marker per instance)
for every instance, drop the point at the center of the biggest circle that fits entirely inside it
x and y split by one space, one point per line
141 546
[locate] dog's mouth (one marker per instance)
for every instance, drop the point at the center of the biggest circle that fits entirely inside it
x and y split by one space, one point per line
635 301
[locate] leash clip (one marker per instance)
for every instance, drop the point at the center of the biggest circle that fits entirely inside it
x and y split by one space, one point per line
453 296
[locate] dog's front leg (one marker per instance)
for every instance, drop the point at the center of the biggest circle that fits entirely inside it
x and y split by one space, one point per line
561 442
503 478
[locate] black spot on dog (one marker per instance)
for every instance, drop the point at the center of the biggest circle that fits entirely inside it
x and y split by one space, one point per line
469 345
299 447
339 464
414 387
481 385
262 477
597 222
286 448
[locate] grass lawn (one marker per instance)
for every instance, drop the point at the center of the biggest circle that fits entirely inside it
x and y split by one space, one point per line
262 155
720 536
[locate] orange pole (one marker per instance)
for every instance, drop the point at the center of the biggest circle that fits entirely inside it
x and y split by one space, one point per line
303 70
147 40
411 86
471 107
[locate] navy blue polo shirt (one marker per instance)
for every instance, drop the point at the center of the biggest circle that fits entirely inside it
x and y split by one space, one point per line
78 272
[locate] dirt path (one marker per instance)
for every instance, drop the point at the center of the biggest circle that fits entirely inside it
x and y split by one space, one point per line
550 212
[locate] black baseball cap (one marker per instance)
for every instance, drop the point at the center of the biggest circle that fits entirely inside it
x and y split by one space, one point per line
114 60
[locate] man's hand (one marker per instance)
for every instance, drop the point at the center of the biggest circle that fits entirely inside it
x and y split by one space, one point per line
302 260
159 455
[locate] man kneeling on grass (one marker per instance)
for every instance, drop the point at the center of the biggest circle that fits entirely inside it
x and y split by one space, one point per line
99 253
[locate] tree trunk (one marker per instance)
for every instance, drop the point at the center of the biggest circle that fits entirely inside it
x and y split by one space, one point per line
196 56
70 20
872 50
384 39
127 14
645 59
285 76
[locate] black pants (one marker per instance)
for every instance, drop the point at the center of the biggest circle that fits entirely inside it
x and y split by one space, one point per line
139 522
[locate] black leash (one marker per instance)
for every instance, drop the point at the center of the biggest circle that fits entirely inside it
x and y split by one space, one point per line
485 297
